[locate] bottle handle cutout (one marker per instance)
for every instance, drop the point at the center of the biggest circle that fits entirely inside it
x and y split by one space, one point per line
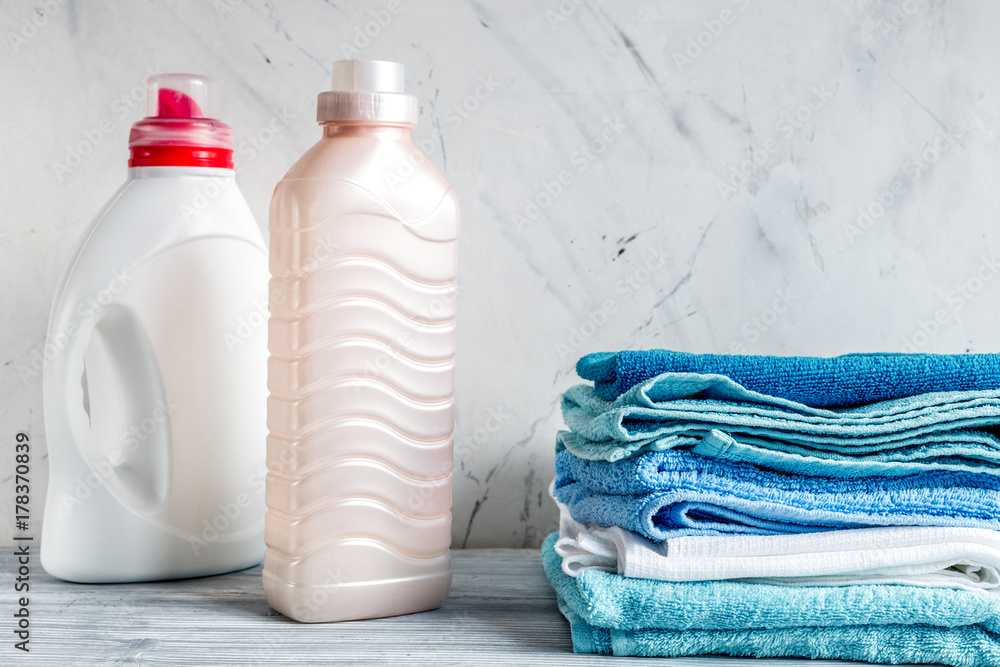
119 413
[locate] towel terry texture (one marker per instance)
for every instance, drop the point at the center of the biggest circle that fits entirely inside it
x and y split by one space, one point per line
853 379
676 492
840 508
923 556
717 417
610 613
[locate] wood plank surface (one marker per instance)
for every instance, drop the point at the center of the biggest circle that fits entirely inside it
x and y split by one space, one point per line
501 612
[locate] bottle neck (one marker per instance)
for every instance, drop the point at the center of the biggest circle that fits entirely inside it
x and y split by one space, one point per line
175 171
180 156
368 130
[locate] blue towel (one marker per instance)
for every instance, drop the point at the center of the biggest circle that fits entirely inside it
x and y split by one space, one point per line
853 379
609 613
676 492
717 417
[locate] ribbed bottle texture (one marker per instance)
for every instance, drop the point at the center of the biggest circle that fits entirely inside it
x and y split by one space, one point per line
361 381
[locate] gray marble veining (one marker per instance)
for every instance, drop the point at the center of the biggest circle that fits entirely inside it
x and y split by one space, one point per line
760 176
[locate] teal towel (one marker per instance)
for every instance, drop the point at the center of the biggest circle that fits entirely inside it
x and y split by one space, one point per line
716 417
852 379
886 624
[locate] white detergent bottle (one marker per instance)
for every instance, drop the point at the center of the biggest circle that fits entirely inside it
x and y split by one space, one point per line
364 257
155 395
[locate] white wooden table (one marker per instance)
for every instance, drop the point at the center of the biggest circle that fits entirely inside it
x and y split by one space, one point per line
501 612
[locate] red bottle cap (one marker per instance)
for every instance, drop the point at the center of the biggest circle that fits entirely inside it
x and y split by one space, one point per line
179 129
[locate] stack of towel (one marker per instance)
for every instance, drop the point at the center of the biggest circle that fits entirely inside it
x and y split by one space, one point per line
781 506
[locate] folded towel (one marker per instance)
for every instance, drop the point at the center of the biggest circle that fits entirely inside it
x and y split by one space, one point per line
610 613
853 379
717 417
675 493
923 556
876 623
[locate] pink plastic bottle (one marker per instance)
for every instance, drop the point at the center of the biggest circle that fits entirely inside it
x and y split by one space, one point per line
363 257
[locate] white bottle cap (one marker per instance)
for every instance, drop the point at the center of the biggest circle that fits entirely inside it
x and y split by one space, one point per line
373 76
367 91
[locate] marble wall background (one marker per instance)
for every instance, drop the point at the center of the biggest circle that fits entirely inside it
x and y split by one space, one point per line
764 176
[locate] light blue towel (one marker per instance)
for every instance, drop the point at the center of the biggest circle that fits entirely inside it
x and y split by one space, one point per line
609 613
674 493
717 417
853 379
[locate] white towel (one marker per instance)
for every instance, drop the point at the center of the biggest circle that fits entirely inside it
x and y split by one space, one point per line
924 556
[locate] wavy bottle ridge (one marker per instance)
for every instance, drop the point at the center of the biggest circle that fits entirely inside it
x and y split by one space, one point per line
303 336
295 506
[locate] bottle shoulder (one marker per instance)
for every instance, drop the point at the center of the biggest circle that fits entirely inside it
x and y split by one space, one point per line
390 179
172 210
378 166
144 219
